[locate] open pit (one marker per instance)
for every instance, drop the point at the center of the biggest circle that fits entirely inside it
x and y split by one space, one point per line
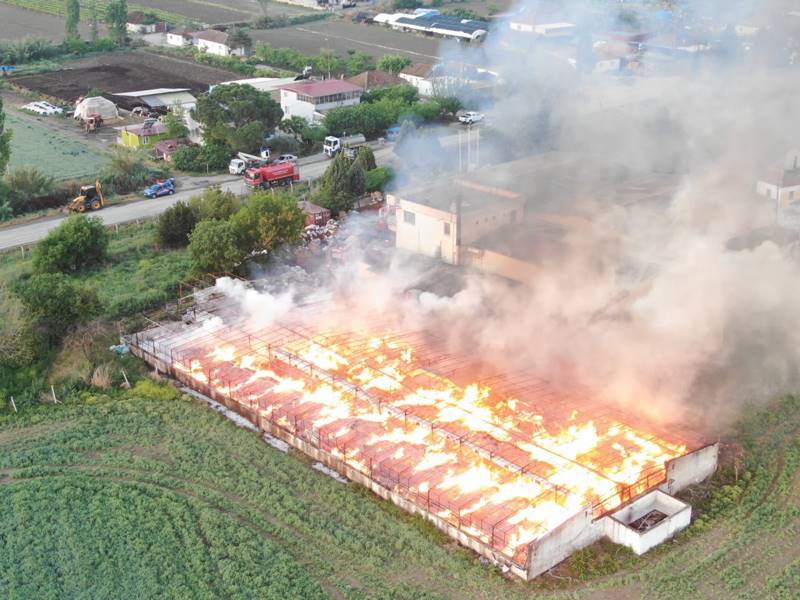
522 471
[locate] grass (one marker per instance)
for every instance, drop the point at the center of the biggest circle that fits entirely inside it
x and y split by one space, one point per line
163 497
56 153
136 276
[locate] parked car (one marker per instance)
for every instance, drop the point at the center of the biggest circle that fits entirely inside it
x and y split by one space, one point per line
286 158
471 117
165 187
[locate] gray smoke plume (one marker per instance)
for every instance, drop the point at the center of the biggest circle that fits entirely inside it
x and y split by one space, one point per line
672 297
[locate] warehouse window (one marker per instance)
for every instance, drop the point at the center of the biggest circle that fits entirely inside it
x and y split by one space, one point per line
409 217
447 228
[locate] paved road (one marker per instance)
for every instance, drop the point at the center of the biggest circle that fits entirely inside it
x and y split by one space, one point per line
310 169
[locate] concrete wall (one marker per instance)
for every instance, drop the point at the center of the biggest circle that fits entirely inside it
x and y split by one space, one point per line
573 534
427 234
498 264
615 526
690 469
477 223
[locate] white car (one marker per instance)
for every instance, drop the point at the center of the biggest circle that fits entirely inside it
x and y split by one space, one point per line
470 117
286 158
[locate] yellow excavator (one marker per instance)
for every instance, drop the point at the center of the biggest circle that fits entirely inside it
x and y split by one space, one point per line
90 198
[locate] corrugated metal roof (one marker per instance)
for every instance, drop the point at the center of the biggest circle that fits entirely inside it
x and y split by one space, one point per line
315 89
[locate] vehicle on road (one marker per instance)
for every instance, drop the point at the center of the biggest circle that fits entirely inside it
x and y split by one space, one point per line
244 161
392 133
286 158
164 187
471 117
274 175
333 145
89 198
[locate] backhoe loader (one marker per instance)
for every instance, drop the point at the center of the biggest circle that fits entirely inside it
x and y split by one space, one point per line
90 198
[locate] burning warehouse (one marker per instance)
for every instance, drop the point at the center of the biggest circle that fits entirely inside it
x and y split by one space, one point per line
522 471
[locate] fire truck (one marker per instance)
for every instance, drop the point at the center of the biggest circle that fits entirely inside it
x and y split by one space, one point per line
273 175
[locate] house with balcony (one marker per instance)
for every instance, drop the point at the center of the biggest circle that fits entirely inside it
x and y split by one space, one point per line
310 99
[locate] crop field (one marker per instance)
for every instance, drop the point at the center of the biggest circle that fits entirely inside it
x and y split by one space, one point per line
123 72
144 493
216 11
54 152
341 36
18 23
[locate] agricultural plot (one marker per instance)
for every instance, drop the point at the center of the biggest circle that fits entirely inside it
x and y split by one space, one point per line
215 11
57 7
123 72
341 36
18 23
140 493
54 152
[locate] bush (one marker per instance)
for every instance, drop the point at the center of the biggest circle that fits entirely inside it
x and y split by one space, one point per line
128 171
214 247
18 345
376 180
25 184
283 144
174 225
213 203
268 220
77 243
186 158
147 388
55 304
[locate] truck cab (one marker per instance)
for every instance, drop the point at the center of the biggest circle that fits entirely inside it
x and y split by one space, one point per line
333 145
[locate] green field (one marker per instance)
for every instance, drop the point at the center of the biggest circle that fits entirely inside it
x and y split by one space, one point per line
144 494
55 153
57 7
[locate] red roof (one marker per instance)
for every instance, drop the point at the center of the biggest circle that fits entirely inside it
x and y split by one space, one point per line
317 89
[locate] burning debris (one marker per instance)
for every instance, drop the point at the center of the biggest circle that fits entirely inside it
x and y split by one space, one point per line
502 462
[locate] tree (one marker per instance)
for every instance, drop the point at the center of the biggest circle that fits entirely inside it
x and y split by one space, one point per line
294 125
406 4
356 184
127 170
239 38
94 27
55 304
213 203
393 63
26 183
174 225
268 220
175 123
237 115
335 176
77 243
117 20
450 105
366 158
214 248
358 63
327 62
377 179
5 141
73 17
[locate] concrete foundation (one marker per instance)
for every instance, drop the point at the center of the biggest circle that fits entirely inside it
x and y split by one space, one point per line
676 516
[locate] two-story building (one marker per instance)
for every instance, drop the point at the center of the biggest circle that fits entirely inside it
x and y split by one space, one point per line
310 99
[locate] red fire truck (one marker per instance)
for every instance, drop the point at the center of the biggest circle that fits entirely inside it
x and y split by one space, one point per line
273 175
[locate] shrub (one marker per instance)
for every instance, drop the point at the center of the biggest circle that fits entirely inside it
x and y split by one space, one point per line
214 247
55 304
267 220
174 225
376 180
77 243
148 388
213 203
128 171
18 344
25 184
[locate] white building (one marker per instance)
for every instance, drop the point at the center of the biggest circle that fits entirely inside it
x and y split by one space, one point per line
310 99
441 220
420 76
163 98
782 183
179 37
216 42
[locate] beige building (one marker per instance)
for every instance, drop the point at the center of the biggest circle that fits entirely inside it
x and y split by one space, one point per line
782 183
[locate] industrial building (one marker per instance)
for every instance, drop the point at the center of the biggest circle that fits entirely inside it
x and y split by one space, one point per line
520 470
431 22
310 99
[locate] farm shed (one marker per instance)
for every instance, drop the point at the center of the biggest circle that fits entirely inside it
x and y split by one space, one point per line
96 106
157 98
164 149
315 215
